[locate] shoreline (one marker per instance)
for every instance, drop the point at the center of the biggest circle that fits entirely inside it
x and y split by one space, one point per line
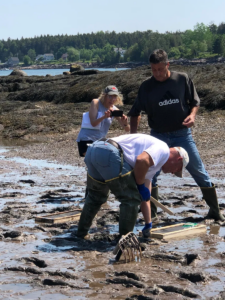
86 66
185 62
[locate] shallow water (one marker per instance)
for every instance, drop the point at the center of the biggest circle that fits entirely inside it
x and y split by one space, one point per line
53 72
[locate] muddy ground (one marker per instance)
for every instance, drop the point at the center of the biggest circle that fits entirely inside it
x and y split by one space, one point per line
42 173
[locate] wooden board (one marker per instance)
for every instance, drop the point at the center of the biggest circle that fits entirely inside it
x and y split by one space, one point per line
177 230
72 215
158 204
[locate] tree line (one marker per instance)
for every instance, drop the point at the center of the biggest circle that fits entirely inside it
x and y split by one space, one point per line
202 41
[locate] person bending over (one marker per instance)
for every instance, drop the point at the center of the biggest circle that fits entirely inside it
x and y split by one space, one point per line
125 165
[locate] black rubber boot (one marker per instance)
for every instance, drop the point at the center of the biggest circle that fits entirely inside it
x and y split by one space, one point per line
97 195
154 194
126 192
210 197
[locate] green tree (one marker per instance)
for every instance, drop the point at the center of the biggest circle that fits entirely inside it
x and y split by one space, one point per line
219 45
221 28
174 53
73 54
60 52
213 28
203 46
32 54
26 60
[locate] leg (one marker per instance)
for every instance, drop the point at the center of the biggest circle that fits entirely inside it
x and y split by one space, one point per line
125 190
184 139
155 192
210 197
200 175
97 195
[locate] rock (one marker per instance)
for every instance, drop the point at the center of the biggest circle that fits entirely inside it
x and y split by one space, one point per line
17 72
48 75
76 67
12 234
66 73
127 281
54 282
175 289
191 257
193 277
38 262
85 72
1 127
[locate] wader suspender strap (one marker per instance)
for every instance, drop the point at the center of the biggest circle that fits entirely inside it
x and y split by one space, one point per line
121 164
116 145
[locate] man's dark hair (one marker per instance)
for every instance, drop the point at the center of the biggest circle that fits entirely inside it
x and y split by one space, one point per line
158 56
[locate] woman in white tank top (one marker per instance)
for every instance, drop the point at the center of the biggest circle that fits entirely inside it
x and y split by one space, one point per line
98 120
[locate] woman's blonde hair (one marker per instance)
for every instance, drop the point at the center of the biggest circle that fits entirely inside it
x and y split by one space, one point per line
119 99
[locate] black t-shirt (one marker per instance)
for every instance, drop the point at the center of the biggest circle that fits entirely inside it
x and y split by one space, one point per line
166 103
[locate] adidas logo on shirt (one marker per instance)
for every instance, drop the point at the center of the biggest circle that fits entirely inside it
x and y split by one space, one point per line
167 102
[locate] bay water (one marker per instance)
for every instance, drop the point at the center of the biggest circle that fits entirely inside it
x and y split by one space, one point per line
53 72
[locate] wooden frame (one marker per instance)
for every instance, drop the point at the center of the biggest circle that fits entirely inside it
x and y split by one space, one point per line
65 216
164 233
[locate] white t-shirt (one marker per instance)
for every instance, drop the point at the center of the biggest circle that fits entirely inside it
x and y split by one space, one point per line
134 144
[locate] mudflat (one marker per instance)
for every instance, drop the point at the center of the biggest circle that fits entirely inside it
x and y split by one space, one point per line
42 173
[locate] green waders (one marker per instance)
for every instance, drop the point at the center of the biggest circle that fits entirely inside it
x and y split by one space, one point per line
97 195
210 197
125 190
154 194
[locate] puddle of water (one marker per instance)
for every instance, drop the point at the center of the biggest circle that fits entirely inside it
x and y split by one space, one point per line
99 274
14 288
46 164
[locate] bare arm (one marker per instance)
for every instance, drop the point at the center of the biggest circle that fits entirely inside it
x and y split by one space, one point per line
143 163
190 120
124 122
134 122
93 112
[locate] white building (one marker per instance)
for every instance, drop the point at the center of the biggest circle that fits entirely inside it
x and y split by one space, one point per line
120 50
39 56
48 56
45 57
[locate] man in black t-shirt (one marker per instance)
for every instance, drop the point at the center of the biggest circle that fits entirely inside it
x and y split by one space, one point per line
171 103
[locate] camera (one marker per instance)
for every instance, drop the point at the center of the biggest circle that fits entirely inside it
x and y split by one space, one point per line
116 113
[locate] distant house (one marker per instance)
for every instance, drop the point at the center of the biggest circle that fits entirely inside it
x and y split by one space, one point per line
39 56
48 56
64 56
120 50
45 57
13 61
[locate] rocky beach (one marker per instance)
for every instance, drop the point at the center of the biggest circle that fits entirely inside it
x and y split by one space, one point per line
42 173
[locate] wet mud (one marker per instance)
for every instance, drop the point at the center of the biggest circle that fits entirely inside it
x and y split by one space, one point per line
48 261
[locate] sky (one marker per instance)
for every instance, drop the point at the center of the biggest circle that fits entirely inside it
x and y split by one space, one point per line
29 18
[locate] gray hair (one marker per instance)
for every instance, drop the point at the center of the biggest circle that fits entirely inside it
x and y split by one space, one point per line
158 56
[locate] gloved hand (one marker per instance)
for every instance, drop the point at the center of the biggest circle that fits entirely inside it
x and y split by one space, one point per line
146 231
144 191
